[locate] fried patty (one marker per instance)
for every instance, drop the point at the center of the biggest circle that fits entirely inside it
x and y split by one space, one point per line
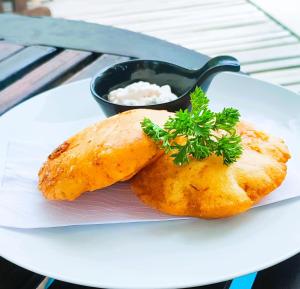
109 151
210 189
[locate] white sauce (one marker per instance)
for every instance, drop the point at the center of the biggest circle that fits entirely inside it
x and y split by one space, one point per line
142 93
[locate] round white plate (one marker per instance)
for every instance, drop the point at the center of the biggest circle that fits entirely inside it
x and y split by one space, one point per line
170 254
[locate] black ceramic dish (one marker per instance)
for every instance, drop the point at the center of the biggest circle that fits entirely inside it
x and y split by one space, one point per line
181 80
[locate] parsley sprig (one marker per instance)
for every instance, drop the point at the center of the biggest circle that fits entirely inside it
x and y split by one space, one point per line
198 133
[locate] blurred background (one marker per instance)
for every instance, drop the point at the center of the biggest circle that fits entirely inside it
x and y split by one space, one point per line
262 34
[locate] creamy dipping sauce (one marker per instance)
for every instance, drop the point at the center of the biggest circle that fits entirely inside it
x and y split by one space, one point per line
142 93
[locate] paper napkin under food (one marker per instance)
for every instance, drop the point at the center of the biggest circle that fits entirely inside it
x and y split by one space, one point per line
23 206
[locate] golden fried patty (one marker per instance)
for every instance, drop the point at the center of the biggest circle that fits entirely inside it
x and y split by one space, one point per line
109 151
208 188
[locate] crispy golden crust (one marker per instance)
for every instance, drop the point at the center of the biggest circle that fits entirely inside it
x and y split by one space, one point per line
100 155
209 189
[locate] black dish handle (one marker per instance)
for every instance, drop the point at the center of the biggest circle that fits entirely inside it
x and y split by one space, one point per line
214 66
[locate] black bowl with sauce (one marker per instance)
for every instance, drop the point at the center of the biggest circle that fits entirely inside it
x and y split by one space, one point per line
181 80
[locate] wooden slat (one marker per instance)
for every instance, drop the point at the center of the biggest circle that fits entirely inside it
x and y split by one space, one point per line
221 34
272 65
191 24
268 54
241 39
283 76
45 283
100 63
251 46
202 2
185 14
13 67
139 7
7 49
237 21
41 78
285 275
294 87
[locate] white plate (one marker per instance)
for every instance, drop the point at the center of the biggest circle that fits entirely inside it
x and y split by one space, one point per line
156 255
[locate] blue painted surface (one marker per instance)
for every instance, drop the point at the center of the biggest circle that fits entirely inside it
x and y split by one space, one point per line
50 281
243 282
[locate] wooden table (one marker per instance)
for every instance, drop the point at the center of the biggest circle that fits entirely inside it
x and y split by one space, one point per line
26 70
267 49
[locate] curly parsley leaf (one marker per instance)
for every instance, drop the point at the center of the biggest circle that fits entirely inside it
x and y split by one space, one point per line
198 133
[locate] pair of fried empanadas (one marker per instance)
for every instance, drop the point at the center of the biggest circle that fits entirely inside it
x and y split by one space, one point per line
116 149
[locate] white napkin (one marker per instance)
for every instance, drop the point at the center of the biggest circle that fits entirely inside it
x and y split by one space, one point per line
23 206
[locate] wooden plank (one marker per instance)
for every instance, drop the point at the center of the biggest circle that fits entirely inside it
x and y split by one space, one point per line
221 34
240 39
283 76
294 87
41 78
139 7
15 66
268 54
272 65
100 63
191 24
192 20
45 283
8 49
251 46
191 13
109 9
285 275
237 21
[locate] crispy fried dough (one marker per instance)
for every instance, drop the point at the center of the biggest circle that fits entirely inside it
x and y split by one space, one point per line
208 188
109 151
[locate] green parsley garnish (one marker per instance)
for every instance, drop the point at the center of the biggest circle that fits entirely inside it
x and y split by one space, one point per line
204 132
